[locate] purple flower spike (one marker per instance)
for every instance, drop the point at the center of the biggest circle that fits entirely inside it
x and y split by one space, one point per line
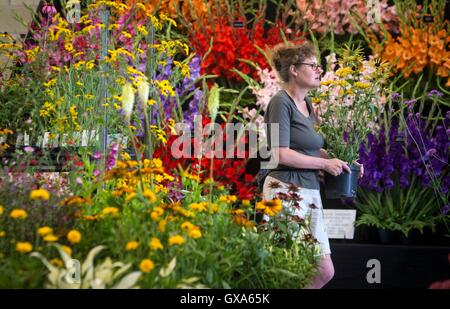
97 155
410 103
434 92
396 96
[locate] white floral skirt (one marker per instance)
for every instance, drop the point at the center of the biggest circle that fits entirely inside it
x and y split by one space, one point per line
309 196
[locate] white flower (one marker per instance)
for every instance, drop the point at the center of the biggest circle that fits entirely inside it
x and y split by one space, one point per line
127 100
143 90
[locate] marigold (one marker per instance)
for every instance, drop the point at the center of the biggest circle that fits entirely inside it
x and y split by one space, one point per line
131 245
146 265
40 194
246 203
150 195
176 240
57 262
162 225
67 250
195 233
110 211
2 210
198 206
74 236
213 208
187 225
24 247
18 214
50 238
155 244
229 199
156 213
243 221
44 231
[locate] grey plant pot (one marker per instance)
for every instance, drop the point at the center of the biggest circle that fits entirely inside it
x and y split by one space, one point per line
344 185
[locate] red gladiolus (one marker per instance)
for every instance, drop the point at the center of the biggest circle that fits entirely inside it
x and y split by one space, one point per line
230 172
231 45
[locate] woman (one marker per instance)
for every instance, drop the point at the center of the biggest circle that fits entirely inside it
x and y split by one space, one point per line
299 151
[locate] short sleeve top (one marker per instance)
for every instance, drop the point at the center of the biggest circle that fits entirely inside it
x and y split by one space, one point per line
297 132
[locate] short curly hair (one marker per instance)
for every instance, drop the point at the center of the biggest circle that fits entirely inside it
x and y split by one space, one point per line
286 54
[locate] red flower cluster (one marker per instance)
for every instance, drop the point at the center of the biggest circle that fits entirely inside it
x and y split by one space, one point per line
230 172
230 44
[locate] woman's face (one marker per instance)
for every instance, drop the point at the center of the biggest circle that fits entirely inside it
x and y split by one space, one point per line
309 73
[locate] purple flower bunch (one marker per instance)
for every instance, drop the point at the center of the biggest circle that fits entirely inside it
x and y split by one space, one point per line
415 151
112 156
182 90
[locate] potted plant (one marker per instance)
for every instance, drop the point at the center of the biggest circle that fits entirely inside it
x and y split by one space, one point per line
406 180
348 103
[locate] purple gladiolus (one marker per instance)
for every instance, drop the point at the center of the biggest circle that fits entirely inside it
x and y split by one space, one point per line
434 92
396 96
412 152
431 152
410 103
388 183
186 88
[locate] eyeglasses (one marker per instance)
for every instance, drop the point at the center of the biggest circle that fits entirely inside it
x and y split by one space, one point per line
314 66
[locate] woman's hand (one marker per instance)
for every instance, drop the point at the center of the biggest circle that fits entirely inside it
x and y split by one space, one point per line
335 167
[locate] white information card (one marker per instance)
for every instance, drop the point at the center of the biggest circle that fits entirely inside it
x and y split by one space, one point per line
340 223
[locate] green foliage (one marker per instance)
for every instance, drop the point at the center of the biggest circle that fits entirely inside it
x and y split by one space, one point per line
398 209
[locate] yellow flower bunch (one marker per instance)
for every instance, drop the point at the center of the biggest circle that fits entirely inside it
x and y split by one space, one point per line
131 245
165 88
18 214
160 134
347 101
110 211
44 231
146 265
74 236
176 240
200 207
270 207
40 194
229 199
155 244
24 247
